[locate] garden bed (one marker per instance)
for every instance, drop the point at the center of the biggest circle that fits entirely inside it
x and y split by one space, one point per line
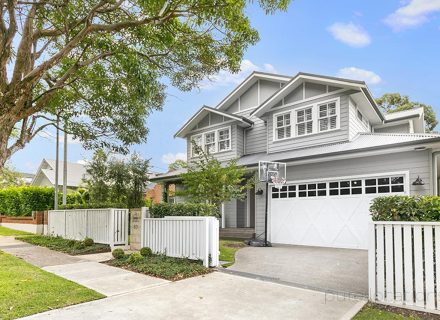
161 266
27 290
72 247
373 311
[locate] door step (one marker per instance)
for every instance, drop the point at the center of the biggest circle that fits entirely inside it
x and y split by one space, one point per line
238 233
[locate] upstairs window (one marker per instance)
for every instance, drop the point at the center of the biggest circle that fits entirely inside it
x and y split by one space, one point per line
210 142
283 128
327 116
304 121
224 139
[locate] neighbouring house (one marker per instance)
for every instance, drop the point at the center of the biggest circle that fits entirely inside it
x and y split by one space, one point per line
154 192
45 175
27 177
341 152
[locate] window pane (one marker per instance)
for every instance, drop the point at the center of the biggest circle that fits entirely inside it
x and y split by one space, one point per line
323 124
292 188
345 184
382 181
284 188
345 191
280 133
397 189
301 129
283 195
396 180
275 195
312 193
309 127
312 186
356 191
333 123
274 189
322 185
334 192
370 182
302 187
356 183
292 194
322 193
302 194
370 190
334 184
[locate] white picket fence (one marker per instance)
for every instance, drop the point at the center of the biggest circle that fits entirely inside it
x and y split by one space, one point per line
194 238
108 226
404 264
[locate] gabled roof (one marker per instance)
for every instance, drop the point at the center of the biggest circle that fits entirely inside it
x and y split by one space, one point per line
76 172
404 114
203 111
247 83
362 142
302 76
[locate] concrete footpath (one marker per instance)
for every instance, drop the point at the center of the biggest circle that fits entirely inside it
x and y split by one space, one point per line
213 296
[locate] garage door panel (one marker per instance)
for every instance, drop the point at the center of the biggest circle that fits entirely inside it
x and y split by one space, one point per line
330 221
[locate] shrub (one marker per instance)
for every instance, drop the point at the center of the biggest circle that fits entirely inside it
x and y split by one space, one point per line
146 252
92 205
118 254
88 242
406 208
21 201
161 210
135 257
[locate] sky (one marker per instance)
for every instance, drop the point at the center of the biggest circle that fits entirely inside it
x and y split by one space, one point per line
392 45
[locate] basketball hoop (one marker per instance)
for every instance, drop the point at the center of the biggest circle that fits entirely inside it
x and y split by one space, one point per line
278 182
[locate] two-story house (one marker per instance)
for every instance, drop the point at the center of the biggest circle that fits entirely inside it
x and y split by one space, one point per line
341 152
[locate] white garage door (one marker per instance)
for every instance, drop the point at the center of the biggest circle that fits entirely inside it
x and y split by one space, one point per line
333 213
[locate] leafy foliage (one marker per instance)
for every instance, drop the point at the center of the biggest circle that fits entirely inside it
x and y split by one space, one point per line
103 66
118 253
21 201
146 252
161 266
92 205
209 181
72 247
117 181
164 209
394 102
406 208
10 178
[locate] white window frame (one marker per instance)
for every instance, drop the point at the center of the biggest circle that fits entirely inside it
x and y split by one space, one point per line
216 140
229 139
315 119
312 107
275 122
319 118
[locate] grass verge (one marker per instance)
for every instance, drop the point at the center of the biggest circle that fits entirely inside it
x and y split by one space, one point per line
381 312
161 266
11 232
72 247
228 248
26 289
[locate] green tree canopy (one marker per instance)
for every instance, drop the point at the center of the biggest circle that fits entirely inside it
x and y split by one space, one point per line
393 102
178 164
210 181
103 65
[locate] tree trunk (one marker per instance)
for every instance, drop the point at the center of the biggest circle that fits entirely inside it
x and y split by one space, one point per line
6 128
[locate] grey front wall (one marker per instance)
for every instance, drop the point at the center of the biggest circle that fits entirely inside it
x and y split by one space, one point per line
418 163
394 129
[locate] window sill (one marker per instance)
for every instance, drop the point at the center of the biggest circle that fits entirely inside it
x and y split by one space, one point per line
306 135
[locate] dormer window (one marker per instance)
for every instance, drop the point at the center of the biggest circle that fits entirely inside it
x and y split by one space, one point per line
213 141
327 116
283 127
304 121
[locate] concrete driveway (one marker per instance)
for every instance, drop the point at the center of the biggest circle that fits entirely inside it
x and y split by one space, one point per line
214 296
324 269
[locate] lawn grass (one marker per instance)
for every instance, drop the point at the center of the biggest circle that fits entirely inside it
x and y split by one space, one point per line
72 247
26 289
161 266
380 312
11 232
228 248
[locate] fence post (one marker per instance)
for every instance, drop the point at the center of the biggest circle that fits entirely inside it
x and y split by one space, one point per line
111 229
372 261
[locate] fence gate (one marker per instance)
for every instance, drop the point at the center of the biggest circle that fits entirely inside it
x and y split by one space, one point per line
108 226
404 264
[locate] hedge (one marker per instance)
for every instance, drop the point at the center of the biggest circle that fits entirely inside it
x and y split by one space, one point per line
406 208
92 206
161 210
21 201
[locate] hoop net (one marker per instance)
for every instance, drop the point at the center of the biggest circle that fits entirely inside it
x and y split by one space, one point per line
278 182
